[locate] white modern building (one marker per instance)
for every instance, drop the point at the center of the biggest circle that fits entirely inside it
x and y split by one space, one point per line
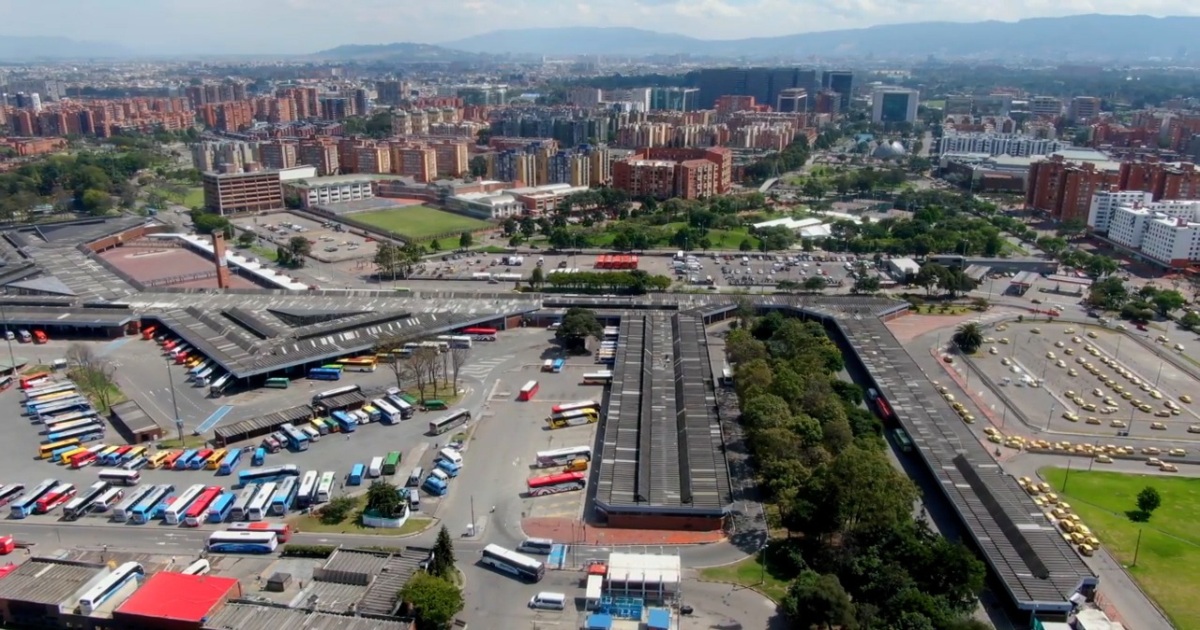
998 144
1106 202
322 191
893 104
1166 233
487 205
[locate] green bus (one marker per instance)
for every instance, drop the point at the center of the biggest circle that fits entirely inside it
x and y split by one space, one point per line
330 424
409 398
279 383
435 405
332 366
391 462
902 440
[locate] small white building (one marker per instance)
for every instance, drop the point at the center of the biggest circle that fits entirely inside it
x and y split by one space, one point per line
652 577
487 205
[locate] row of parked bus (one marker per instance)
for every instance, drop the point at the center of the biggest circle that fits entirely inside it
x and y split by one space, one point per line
201 371
62 412
52 493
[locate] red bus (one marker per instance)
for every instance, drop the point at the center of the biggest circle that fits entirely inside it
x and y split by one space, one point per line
283 531
198 510
528 391
57 496
29 381
148 332
481 331
553 484
182 358
39 336
169 462
582 404
80 460
169 345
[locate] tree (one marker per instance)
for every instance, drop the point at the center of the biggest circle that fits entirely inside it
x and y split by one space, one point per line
298 247
435 245
478 166
434 601
968 337
537 278
337 510
816 599
1052 245
422 366
746 245
815 284
1148 500
577 325
247 238
1167 301
865 284
813 188
95 202
930 276
93 374
464 240
384 500
1108 293
442 562
459 356
1190 320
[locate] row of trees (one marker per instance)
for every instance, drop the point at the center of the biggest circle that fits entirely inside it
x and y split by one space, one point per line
862 562
84 182
426 369
633 282
1112 294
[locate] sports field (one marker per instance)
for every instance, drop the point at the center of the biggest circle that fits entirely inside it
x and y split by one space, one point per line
1170 545
420 222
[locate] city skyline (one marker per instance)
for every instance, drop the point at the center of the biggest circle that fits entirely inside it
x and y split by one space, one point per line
162 28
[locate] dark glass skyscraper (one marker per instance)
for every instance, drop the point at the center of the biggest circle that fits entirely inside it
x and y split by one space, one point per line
764 84
840 81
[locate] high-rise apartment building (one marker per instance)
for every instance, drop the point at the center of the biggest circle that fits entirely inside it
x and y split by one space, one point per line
373 159
842 82
1064 189
278 154
1084 108
892 104
390 93
586 97
320 152
1105 203
416 161
1163 180
665 172
793 100
1045 107
452 157
998 144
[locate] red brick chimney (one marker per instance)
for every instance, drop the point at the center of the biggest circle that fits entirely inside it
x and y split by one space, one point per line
219 255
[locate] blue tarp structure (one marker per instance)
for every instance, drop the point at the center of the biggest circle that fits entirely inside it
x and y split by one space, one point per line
660 619
599 622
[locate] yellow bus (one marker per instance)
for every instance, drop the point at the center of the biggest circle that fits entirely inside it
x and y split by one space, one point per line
358 364
66 457
156 460
214 461
45 450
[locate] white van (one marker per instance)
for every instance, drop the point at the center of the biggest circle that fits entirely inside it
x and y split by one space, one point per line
375 468
548 601
440 474
451 455
414 499
414 477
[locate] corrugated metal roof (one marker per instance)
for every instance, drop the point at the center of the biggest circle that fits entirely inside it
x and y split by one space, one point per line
48 582
247 616
169 595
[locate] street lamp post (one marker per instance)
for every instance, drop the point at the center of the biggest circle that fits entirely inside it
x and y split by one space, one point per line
174 402
1050 416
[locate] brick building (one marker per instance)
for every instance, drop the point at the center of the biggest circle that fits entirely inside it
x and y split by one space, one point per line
665 172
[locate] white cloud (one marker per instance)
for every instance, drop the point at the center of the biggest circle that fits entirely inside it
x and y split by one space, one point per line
295 26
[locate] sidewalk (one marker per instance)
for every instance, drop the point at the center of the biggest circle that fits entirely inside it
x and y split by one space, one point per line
571 531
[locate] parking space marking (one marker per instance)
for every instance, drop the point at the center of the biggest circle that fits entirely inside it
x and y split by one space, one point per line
216 417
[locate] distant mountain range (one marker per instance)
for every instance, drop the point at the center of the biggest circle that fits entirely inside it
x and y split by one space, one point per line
14 48
1065 38
400 51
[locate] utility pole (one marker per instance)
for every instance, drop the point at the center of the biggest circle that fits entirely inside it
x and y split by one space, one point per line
174 402
12 360
1137 547
472 515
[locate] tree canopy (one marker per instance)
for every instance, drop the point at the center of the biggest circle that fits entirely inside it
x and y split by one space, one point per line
578 324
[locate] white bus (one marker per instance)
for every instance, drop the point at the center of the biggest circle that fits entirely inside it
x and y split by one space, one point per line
308 486
120 477
325 487
106 500
174 512
109 586
248 541
376 467
513 563
258 506
120 513
563 456
387 413
242 502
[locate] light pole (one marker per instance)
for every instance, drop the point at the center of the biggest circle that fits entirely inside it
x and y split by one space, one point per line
1050 416
174 402
12 360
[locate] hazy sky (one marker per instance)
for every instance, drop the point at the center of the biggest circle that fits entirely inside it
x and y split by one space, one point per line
300 26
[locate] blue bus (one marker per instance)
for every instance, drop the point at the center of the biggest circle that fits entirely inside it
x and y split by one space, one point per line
244 541
285 495
297 440
356 475
345 422
23 506
263 475
230 462
60 407
185 460
219 509
325 374
557 365
141 513
260 456
84 434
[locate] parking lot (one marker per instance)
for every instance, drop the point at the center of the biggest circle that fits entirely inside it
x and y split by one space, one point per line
331 241
1089 380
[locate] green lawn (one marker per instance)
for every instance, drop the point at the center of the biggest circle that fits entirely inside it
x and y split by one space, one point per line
312 524
719 239
193 198
421 222
749 572
1170 542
